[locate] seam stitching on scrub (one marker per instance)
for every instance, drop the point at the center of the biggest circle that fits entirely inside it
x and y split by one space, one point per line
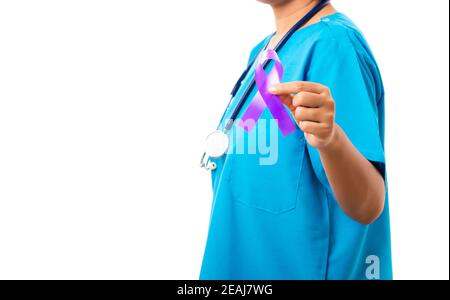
327 256
300 176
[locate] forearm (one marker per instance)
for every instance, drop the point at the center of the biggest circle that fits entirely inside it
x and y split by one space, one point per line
357 185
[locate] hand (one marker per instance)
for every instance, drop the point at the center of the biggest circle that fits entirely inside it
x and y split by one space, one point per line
312 107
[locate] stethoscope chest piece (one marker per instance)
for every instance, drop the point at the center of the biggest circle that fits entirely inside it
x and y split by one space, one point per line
216 144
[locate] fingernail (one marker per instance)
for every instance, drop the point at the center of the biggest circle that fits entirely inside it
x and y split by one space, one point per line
272 89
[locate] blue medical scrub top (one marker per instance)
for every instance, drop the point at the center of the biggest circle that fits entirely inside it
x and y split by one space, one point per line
274 215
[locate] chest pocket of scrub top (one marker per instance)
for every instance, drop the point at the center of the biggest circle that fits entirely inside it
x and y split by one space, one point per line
267 181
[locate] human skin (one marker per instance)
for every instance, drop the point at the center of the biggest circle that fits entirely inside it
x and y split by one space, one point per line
357 185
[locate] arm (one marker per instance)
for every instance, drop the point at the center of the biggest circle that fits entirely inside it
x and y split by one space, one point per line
357 185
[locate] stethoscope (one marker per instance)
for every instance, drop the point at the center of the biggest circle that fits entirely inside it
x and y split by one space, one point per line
217 142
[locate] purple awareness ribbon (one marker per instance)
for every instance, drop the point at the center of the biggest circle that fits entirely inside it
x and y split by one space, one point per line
264 98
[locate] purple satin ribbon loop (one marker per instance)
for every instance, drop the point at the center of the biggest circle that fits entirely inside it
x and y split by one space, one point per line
264 98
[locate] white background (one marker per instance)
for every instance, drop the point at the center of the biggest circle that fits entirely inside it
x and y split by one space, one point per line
104 106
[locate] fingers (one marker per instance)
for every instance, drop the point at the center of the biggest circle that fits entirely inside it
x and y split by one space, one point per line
317 129
308 114
308 99
294 87
312 106
302 113
288 101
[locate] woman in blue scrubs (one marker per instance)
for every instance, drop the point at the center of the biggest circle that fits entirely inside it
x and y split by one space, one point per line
319 209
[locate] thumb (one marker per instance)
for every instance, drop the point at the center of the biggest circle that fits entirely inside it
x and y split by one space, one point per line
287 100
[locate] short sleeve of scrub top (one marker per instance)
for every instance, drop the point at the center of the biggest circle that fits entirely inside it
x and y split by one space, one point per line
273 214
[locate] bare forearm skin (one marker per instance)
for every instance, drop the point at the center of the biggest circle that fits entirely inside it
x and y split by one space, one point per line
357 185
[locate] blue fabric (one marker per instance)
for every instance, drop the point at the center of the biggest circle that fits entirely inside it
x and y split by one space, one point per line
274 215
